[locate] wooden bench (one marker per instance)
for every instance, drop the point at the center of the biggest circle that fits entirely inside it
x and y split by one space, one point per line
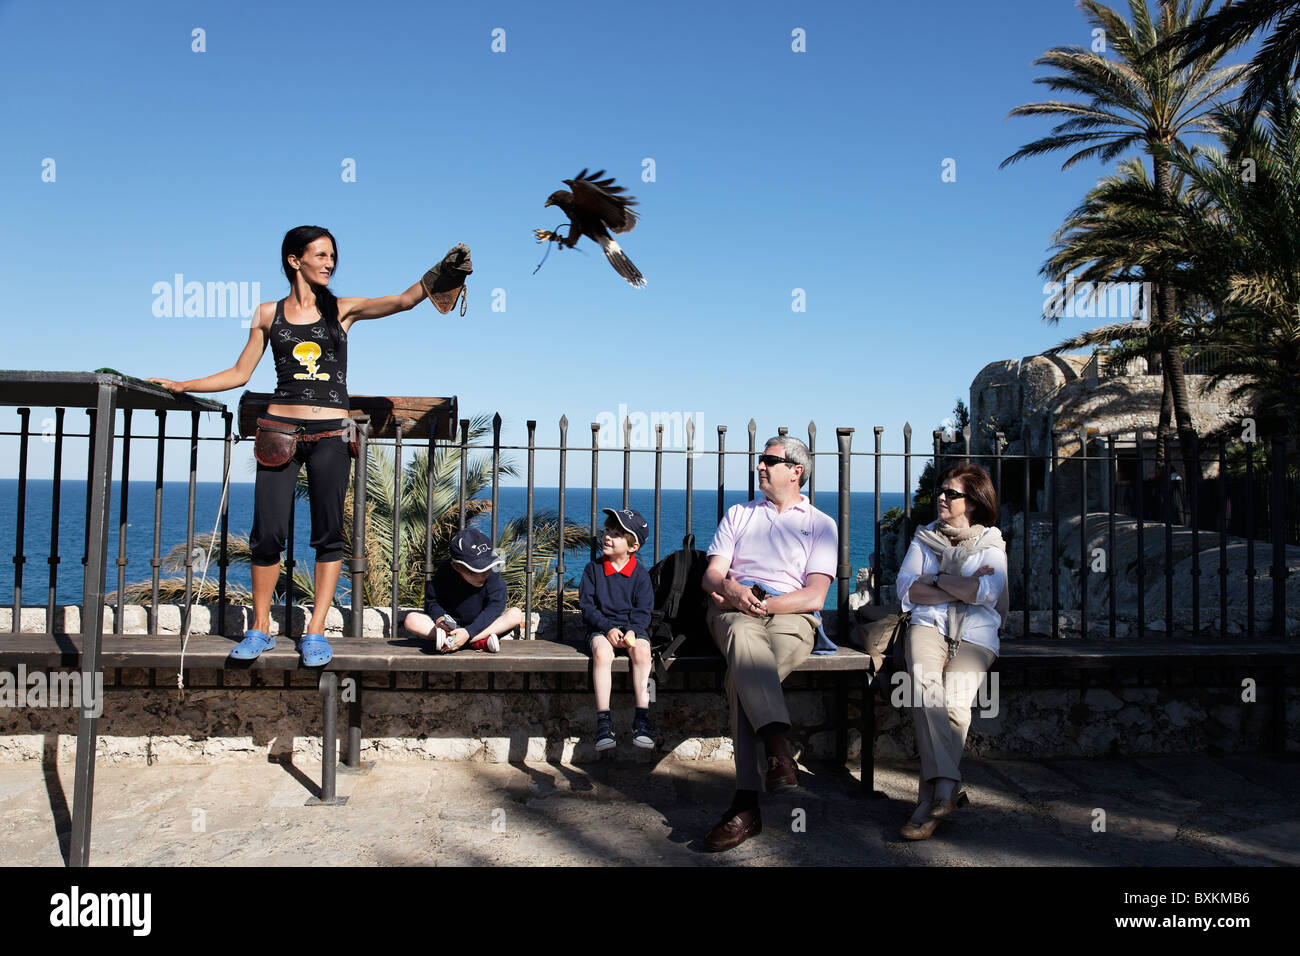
355 657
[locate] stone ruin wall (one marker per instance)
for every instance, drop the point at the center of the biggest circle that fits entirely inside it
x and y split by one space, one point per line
1047 393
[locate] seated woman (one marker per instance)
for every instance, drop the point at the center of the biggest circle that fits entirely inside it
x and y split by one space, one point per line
953 581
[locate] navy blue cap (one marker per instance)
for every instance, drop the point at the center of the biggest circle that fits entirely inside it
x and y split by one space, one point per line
473 549
630 519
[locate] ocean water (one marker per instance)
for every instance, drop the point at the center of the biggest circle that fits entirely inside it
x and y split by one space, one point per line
38 527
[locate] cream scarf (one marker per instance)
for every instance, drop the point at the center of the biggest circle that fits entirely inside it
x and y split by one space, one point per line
953 546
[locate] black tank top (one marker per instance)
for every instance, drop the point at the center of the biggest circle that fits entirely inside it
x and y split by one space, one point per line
311 365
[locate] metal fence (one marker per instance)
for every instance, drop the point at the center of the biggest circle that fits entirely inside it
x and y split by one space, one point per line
1197 360
1053 489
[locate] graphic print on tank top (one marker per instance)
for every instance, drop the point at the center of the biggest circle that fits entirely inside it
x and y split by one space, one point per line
307 353
308 357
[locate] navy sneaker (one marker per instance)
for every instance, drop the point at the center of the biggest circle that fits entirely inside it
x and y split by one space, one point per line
605 733
643 734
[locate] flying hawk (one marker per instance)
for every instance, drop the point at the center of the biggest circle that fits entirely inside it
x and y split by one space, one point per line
595 210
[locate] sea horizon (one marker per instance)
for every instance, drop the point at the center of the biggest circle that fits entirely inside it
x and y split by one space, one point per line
38 530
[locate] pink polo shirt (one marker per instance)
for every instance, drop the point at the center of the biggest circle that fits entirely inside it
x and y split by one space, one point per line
778 551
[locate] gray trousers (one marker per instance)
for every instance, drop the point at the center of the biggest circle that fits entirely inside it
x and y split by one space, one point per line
760 653
941 698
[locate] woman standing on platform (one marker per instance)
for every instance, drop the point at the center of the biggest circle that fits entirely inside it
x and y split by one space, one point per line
307 421
953 582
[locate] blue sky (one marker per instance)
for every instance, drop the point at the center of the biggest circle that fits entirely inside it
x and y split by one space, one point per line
773 171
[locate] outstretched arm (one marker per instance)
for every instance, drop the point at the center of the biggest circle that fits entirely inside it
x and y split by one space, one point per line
447 277
356 308
242 370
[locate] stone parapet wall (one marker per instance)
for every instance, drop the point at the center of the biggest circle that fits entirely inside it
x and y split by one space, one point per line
1037 715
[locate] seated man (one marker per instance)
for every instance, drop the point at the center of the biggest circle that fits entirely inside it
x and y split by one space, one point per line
770 565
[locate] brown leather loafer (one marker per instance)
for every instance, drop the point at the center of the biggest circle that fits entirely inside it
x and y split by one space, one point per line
733 831
782 774
919 831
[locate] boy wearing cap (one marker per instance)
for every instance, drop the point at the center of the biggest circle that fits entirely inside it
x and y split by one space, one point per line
465 600
616 598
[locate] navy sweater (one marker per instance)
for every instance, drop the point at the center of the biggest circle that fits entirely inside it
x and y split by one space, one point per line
616 600
473 608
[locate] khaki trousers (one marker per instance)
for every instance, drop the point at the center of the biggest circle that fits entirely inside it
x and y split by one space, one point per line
941 698
760 653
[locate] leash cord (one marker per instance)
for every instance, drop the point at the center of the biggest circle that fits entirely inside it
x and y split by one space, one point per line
555 232
207 562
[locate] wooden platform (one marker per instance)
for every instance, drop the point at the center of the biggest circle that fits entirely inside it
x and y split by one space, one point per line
409 654
350 654
1094 654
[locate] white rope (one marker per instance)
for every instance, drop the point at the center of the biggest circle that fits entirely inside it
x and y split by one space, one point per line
207 563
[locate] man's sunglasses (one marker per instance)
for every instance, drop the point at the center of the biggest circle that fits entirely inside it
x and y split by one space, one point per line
771 460
952 494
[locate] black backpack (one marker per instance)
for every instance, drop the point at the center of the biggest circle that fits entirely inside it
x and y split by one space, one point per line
677 626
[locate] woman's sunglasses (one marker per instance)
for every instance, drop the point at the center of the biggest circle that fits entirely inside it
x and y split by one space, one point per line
952 494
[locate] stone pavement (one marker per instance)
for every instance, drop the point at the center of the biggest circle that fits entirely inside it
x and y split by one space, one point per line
1158 811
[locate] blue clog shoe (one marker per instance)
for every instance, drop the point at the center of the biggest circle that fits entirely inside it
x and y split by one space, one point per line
315 650
252 646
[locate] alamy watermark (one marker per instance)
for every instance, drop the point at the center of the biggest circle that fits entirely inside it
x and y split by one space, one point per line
57 689
959 689
644 428
1119 301
205 300
75 908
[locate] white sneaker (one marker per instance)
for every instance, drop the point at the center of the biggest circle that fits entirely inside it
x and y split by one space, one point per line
441 641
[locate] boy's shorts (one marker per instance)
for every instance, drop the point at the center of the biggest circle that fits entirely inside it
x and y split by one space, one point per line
595 634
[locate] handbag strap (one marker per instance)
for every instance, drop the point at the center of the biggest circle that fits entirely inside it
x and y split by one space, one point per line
317 436
280 428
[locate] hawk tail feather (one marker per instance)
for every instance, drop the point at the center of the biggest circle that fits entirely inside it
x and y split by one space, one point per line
621 263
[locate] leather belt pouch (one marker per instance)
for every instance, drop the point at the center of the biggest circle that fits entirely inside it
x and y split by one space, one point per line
275 443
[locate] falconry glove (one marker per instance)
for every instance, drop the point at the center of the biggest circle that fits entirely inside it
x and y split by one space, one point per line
445 282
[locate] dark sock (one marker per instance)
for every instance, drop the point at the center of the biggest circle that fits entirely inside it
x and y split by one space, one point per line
643 713
603 715
774 742
743 800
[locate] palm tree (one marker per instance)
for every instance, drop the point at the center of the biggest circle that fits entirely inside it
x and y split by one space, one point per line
412 521
1120 234
1241 229
1276 64
1138 100
1229 242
